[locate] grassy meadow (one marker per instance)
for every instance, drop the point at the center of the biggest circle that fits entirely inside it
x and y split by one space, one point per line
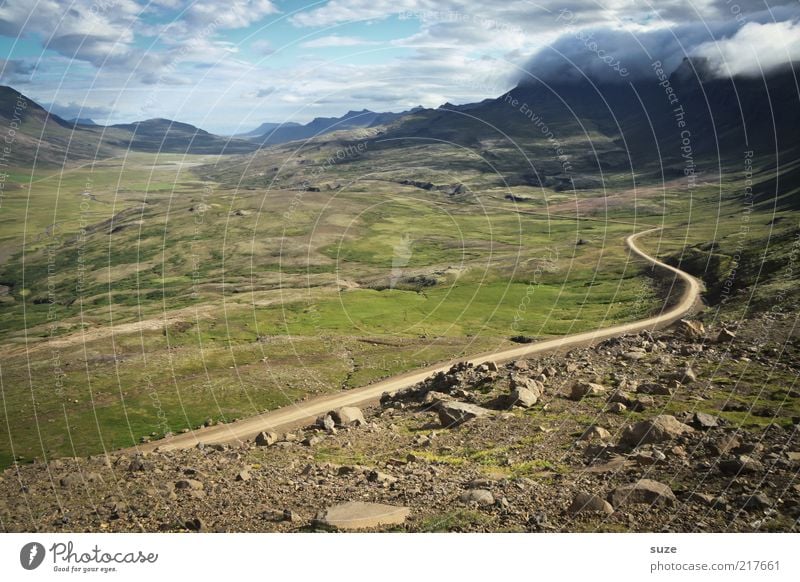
179 290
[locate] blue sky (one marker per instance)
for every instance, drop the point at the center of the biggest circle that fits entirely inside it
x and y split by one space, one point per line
227 66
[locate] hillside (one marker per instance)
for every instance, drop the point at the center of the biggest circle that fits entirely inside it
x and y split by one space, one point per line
638 433
44 139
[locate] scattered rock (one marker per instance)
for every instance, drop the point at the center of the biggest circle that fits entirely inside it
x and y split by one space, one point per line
757 502
582 389
725 336
703 421
348 416
654 389
479 496
588 503
195 524
741 465
265 439
661 428
452 414
243 475
360 515
382 478
644 491
191 484
595 432
691 330
617 407
523 397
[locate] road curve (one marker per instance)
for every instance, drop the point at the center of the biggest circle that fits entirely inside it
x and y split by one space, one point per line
305 412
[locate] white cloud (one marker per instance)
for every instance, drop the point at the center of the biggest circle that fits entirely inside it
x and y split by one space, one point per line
336 40
755 48
229 14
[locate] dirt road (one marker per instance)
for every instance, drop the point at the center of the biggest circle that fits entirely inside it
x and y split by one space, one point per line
306 412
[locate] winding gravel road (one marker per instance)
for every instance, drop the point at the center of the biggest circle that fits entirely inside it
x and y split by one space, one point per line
305 412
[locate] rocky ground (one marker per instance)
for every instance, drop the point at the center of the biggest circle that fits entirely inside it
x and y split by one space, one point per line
689 429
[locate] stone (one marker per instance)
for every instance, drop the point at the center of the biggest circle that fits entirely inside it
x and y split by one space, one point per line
191 484
71 480
360 515
582 389
348 416
685 375
380 477
243 475
725 336
595 432
312 440
644 491
326 422
195 524
654 389
491 366
453 414
741 465
703 421
757 502
691 330
588 503
660 429
138 464
479 496
523 397
617 407
633 356
266 438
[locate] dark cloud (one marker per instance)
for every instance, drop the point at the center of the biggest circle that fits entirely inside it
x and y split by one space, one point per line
15 71
607 54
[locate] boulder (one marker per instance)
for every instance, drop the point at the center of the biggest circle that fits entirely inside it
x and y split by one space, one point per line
523 397
588 503
660 429
725 336
741 465
582 389
617 407
191 484
479 496
703 421
691 330
595 432
654 389
380 477
348 416
265 439
644 491
360 515
455 413
71 480
685 375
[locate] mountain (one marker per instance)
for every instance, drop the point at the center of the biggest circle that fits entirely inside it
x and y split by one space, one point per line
45 139
83 121
41 137
165 135
283 133
541 133
265 128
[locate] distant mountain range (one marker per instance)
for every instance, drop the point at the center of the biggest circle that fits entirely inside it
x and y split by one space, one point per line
664 123
276 133
45 139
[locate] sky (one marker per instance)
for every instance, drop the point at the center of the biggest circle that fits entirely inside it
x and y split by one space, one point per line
229 65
